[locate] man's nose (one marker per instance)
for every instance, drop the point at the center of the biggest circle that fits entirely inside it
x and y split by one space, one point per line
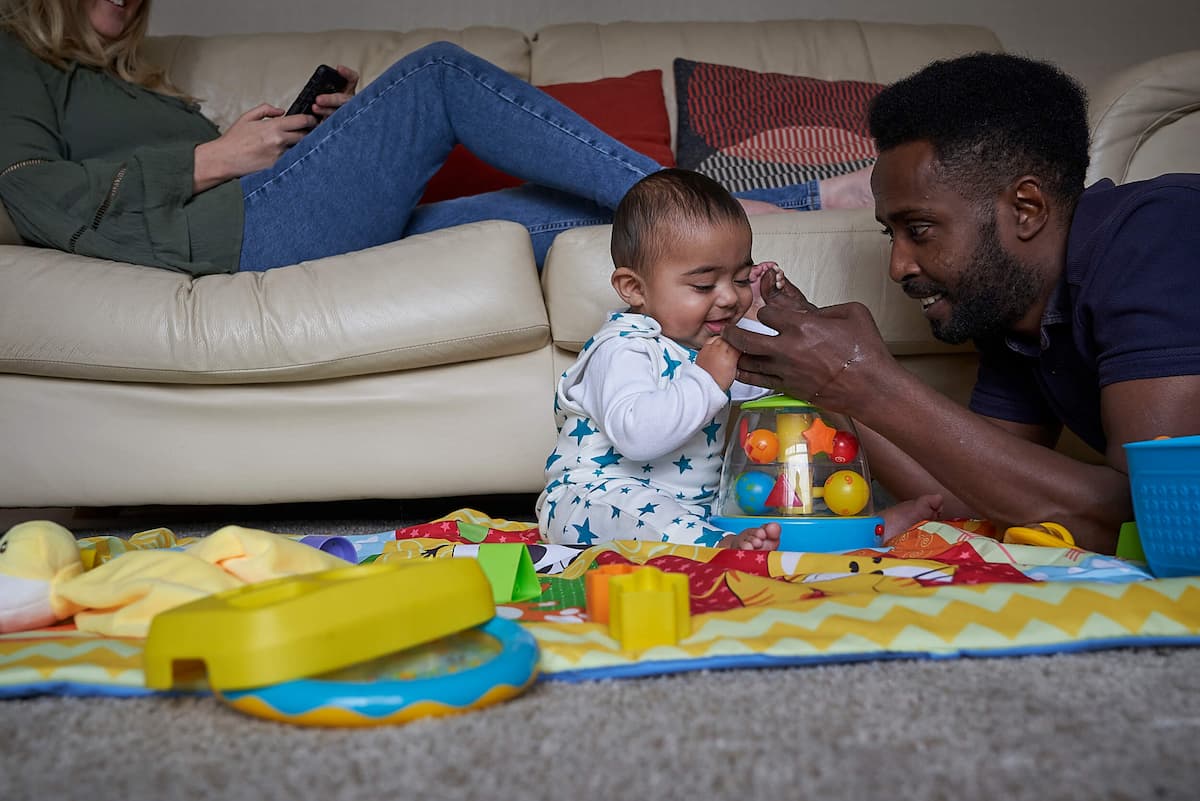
901 262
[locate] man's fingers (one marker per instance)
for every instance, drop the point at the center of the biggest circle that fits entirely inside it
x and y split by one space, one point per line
746 341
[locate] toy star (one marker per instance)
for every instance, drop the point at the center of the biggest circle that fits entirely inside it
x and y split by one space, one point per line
819 437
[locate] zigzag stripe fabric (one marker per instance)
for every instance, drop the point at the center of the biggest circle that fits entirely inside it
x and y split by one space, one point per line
752 130
941 591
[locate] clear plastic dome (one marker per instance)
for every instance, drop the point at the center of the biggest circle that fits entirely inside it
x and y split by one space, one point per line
789 461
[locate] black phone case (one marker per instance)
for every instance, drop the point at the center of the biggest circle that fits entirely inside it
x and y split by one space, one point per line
325 80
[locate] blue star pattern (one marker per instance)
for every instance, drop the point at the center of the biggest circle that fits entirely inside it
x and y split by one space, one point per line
665 498
608 458
586 537
669 370
582 430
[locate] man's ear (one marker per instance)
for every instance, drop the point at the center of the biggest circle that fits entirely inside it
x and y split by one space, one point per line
629 286
1030 207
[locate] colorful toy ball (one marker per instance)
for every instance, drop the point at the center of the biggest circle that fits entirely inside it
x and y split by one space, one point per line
752 490
845 448
761 445
846 493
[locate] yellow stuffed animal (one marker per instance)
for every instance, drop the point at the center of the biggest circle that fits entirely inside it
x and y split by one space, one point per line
35 558
42 580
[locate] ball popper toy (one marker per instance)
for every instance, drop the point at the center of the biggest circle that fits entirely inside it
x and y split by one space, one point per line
816 487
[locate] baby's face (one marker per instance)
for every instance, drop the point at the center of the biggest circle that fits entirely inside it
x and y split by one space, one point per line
701 284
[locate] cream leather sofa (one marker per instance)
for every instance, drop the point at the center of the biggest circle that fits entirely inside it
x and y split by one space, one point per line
421 368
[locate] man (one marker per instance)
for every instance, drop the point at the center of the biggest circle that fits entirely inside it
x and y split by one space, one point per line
1083 304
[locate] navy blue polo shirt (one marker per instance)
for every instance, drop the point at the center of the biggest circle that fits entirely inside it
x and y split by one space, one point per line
1127 307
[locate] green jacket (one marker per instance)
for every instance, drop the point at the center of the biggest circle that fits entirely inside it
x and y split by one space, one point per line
93 165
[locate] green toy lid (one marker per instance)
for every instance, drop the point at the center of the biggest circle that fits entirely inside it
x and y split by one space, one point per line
777 401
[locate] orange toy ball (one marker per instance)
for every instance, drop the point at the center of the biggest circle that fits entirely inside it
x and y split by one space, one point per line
761 445
846 493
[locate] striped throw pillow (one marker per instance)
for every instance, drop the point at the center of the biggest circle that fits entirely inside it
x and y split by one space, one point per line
752 130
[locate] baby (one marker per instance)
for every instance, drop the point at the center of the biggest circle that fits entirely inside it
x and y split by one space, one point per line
642 413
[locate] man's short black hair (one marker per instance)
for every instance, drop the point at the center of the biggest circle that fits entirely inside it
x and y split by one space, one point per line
991 117
655 211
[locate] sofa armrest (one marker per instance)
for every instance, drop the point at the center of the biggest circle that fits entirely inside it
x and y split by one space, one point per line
833 256
423 301
1145 120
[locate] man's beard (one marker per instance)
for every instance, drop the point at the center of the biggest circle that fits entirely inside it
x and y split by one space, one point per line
994 291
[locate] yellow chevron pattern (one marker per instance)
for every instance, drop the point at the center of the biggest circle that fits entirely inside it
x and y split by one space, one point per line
941 620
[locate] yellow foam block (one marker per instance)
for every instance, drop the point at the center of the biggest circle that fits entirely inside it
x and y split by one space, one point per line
648 607
301 626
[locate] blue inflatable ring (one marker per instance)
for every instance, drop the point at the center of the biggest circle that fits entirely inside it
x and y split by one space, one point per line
448 677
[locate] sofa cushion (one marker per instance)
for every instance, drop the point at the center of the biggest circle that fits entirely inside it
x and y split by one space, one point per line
750 129
631 109
456 295
233 73
881 52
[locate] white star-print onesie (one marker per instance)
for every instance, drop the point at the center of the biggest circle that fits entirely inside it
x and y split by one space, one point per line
641 435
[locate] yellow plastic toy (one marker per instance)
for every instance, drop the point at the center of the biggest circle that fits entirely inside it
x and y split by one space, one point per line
1051 535
648 607
357 646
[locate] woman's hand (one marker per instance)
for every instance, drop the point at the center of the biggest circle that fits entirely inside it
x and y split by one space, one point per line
253 143
324 105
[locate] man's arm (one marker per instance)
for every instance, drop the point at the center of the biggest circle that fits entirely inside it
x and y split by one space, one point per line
904 477
836 357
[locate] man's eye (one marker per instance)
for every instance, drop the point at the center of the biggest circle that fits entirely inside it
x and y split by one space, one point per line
918 230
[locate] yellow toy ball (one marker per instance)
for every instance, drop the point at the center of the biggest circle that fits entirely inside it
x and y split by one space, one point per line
846 493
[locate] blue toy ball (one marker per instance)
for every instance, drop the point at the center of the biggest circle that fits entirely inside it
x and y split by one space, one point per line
752 490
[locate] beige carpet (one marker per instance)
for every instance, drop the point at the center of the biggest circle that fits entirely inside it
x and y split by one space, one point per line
1121 724
1113 725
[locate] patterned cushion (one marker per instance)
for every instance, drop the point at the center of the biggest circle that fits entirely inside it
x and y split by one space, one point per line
751 130
630 109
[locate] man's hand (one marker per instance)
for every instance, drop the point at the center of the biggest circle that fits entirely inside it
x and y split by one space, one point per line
254 142
834 355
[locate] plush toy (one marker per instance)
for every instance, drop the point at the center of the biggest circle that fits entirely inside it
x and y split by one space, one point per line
35 559
42 580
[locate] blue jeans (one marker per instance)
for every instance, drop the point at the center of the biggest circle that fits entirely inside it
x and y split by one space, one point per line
355 180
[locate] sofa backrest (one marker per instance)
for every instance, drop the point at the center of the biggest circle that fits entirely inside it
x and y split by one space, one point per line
1145 120
233 73
826 49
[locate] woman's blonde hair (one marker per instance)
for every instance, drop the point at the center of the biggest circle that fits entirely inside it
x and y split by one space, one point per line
58 32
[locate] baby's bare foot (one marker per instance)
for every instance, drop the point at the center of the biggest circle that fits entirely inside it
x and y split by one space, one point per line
759 538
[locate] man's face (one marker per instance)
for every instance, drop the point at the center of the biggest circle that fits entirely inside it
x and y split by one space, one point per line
946 252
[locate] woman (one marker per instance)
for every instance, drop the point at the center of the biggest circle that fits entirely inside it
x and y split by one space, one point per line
101 156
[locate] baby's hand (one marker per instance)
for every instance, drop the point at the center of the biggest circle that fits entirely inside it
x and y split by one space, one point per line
719 359
764 275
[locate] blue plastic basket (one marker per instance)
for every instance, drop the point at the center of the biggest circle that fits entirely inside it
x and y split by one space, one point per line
1164 477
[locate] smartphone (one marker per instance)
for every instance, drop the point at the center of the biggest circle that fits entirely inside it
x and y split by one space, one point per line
325 80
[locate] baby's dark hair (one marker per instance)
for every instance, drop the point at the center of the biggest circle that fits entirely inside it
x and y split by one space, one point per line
991 117
648 219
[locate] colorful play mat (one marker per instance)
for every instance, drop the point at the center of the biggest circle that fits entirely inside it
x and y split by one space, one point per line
942 590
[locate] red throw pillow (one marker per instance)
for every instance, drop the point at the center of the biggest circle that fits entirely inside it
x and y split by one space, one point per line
752 130
631 109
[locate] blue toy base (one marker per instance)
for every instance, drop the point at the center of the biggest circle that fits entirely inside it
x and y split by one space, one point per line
814 534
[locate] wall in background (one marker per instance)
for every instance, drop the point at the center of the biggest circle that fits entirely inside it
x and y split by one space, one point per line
1089 38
